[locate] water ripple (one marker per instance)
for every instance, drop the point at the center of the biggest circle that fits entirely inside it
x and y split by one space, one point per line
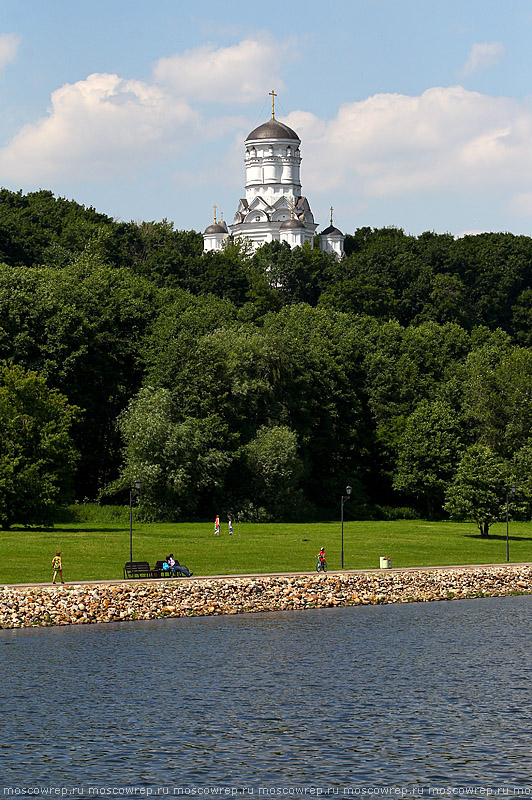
411 695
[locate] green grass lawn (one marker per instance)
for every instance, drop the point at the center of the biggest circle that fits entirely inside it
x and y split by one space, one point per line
93 551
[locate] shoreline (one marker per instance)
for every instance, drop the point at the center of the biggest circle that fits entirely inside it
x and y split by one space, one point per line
92 602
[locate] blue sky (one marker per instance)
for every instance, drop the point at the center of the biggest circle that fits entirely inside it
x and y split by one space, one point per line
413 113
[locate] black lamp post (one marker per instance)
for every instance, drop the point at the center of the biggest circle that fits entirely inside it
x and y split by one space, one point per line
509 493
138 484
345 497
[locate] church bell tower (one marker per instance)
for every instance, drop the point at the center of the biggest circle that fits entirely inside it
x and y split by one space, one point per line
274 208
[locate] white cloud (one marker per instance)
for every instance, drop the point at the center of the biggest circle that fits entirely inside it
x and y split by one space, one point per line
106 125
9 45
482 56
446 140
237 74
99 126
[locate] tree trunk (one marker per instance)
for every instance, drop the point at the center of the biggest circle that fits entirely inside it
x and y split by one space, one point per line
484 529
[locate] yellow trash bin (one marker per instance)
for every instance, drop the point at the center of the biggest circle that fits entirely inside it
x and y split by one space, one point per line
386 563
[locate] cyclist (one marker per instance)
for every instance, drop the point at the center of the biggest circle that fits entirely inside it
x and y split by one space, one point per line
321 556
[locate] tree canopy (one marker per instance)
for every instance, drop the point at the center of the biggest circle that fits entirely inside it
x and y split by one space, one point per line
262 383
37 455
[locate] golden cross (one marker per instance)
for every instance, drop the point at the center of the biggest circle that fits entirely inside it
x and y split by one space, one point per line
214 213
273 102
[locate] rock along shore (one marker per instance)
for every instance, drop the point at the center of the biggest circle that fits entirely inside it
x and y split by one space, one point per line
22 607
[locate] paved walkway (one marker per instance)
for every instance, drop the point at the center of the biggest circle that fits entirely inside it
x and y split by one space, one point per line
119 581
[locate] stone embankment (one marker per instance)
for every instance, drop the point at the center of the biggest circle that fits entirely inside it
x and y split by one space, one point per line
22 607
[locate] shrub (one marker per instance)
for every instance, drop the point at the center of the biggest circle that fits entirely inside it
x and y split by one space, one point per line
389 513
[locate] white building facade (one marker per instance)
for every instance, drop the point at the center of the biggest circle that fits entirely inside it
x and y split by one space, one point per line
274 208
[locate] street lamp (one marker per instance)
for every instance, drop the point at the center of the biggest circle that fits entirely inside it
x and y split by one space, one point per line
345 497
509 493
138 484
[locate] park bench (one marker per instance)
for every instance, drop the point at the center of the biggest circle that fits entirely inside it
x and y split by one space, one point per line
159 572
138 569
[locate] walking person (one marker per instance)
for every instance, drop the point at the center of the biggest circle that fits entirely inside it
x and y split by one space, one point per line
230 527
217 525
57 566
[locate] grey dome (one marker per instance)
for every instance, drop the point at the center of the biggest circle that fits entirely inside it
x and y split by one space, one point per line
215 228
331 231
291 223
273 129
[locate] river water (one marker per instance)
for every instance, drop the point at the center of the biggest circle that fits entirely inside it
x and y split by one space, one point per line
402 700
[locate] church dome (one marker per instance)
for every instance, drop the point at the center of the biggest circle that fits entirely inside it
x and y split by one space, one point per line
331 231
291 223
216 228
273 129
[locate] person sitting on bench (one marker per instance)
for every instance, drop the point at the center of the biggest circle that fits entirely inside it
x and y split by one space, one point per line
176 567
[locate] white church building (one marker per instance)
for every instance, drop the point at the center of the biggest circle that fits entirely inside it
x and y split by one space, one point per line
274 208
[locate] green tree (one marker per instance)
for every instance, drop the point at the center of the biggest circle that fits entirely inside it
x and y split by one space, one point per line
404 366
522 318
478 491
37 456
318 394
81 328
521 477
179 461
448 301
429 450
273 461
496 386
38 228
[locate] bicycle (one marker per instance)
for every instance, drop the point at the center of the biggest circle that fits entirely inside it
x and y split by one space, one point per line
321 566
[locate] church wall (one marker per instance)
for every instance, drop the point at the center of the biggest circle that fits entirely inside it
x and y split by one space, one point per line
331 245
214 242
288 174
253 174
273 189
271 171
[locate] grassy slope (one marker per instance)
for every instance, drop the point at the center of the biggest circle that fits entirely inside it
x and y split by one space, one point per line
94 551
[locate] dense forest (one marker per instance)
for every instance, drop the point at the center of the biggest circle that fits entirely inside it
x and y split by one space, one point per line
261 384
